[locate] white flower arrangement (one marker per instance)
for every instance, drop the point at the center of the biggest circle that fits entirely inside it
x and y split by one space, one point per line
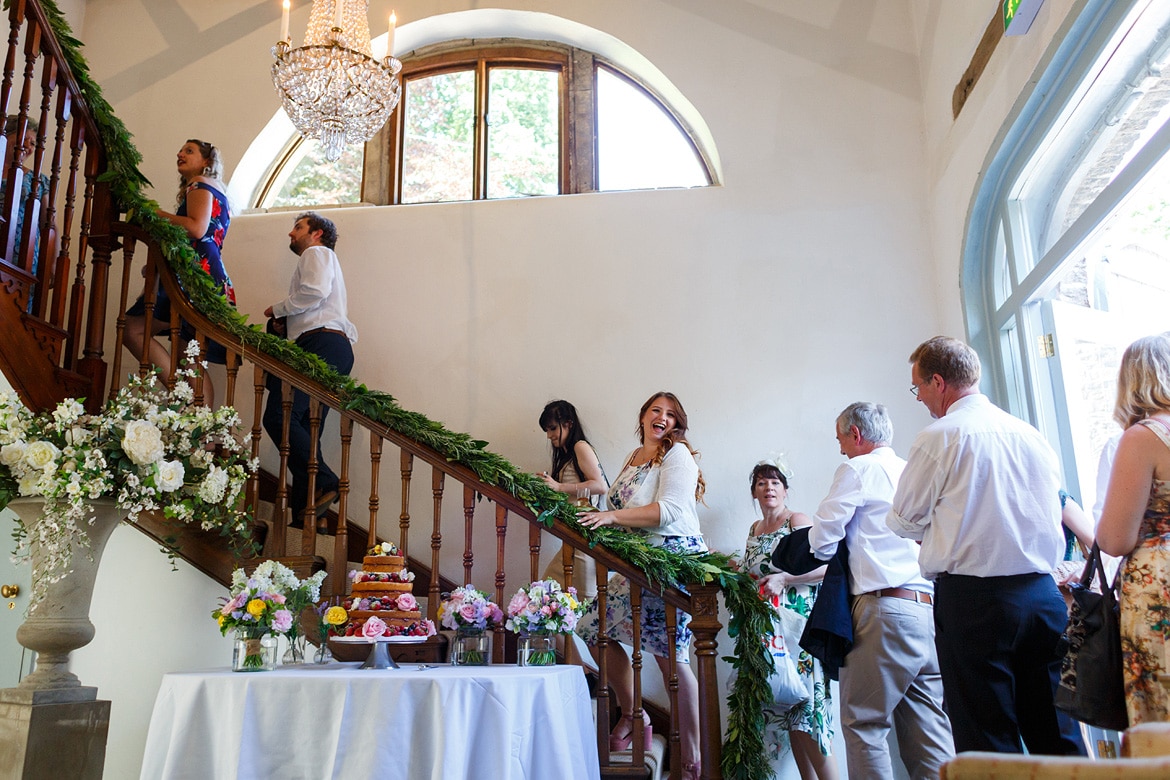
147 450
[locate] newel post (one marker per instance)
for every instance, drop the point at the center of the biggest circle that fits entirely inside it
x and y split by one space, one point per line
706 626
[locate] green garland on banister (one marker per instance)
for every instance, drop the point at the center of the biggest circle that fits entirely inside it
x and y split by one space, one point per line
743 749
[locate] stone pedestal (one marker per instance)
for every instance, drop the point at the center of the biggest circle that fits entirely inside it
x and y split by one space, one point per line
44 737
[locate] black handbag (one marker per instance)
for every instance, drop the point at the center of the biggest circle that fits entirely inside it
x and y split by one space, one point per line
1091 686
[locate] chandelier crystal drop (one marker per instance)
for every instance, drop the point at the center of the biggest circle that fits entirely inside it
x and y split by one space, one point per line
332 88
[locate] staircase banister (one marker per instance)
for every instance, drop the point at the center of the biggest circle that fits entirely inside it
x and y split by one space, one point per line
50 42
314 389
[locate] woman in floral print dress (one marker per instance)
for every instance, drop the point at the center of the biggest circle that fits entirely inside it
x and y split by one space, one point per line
1136 522
807 726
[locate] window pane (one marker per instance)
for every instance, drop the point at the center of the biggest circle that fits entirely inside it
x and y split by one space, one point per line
523 132
638 144
314 181
438 148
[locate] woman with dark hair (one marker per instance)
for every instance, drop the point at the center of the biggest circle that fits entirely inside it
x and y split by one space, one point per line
203 212
656 494
808 726
576 472
1136 523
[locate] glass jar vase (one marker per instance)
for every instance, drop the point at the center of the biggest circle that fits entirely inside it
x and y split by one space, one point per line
295 654
470 647
536 650
254 654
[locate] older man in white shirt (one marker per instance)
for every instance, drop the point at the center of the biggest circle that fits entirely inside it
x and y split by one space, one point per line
981 493
315 317
891 674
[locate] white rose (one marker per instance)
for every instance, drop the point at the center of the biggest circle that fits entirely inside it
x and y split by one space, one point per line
170 475
40 455
142 442
12 454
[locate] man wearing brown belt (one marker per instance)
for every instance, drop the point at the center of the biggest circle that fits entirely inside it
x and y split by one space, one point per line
315 317
891 674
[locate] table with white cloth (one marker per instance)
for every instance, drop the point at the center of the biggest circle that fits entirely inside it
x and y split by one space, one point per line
313 722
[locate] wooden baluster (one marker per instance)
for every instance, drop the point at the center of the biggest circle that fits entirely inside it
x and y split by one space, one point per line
76 142
231 369
468 520
637 742
58 267
129 245
437 479
705 626
281 512
15 20
674 738
149 296
275 541
501 580
96 214
603 703
309 532
572 656
39 219
375 497
32 49
533 552
341 540
406 466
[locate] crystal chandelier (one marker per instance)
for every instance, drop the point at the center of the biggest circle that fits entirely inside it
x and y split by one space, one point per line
332 88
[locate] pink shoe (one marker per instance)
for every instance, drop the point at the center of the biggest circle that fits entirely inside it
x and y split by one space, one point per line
622 736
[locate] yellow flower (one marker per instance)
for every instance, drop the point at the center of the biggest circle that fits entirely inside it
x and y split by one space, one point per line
222 617
572 603
256 607
335 616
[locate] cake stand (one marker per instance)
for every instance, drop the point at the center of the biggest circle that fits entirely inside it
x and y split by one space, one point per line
379 657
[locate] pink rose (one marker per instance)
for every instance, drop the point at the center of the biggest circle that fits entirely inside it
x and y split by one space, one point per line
497 615
281 620
518 603
469 613
373 628
407 603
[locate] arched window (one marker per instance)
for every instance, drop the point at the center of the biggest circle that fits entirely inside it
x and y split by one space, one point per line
502 118
1067 259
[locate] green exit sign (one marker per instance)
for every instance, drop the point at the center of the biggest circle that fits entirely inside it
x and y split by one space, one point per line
1018 15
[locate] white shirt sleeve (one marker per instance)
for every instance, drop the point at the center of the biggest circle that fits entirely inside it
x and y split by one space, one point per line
836 510
914 499
677 480
311 284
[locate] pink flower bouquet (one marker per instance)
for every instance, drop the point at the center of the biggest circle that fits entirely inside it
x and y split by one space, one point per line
543 608
467 608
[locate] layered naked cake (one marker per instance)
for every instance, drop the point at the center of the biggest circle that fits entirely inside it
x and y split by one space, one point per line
382 589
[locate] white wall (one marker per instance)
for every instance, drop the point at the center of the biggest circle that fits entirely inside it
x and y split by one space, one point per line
767 304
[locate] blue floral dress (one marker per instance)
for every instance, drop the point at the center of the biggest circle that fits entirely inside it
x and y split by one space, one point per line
619 621
814 716
208 252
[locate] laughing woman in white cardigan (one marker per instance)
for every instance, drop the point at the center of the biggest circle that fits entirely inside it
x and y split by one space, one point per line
656 494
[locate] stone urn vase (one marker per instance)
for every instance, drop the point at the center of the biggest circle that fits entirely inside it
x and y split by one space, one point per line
59 623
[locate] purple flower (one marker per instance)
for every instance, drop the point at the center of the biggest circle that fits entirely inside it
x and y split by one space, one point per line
282 621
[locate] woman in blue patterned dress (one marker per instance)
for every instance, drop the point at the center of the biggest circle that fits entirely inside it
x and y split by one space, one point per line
203 212
656 494
808 726
1136 523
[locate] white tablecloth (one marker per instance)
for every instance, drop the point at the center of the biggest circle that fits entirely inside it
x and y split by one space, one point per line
440 723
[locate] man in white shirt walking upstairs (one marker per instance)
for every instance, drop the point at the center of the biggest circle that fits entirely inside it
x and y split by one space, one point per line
315 317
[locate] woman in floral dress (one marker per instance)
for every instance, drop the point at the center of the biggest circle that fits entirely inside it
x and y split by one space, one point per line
203 212
807 726
1136 522
656 494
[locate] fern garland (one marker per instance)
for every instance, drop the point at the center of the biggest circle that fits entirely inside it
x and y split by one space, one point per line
743 749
